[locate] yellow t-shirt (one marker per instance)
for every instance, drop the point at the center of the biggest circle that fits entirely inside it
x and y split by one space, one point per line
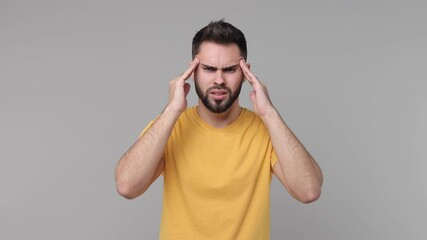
217 180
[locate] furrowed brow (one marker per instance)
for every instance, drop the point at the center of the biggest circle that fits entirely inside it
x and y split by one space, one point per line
210 67
230 67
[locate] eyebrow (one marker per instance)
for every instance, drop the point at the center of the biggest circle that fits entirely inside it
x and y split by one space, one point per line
224 68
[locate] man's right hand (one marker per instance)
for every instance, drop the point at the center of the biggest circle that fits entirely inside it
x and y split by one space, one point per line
178 89
142 164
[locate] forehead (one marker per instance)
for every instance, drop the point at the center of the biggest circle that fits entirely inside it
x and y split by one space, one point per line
219 55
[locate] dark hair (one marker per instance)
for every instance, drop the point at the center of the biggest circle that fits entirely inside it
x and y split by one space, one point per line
220 32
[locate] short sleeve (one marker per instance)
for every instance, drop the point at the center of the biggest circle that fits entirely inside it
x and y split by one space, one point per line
147 127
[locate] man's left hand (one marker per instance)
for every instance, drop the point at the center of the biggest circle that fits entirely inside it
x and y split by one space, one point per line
259 96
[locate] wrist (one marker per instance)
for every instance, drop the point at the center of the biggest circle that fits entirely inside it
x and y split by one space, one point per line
271 114
172 112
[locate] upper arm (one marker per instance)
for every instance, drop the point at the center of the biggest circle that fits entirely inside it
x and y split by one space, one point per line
277 170
159 170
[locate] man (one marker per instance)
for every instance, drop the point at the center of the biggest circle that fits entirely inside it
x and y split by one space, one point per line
218 158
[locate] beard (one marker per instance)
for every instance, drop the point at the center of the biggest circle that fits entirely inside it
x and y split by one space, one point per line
218 106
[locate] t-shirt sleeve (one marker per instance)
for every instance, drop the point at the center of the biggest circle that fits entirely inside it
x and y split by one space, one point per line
148 126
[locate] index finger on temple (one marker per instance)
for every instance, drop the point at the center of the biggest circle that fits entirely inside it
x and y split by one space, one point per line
190 69
249 76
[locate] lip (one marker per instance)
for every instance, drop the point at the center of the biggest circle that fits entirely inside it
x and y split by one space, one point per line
218 91
218 94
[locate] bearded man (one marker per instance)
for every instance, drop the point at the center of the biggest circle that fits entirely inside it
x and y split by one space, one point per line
218 158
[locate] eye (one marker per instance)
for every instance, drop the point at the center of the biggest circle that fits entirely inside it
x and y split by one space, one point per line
231 70
208 69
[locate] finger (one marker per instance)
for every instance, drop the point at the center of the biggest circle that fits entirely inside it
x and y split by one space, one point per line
246 71
190 69
248 74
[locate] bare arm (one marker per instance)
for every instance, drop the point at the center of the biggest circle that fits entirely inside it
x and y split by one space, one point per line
136 168
296 169
143 162
300 172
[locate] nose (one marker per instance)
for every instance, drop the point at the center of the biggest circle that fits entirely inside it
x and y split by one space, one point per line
219 78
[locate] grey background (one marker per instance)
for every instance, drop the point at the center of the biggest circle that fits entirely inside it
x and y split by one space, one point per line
79 80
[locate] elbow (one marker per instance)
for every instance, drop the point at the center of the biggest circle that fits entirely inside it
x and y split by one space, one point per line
126 188
313 191
124 191
310 199
127 191
310 196
307 194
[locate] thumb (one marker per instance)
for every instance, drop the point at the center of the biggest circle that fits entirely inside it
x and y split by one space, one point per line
252 96
186 88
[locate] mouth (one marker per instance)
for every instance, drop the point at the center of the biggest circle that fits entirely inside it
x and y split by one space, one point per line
218 94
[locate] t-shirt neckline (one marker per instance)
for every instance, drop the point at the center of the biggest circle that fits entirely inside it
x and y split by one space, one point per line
229 127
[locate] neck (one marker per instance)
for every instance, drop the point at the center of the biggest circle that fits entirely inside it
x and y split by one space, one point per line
219 120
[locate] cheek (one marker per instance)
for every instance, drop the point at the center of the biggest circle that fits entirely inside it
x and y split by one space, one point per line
201 79
202 76
235 78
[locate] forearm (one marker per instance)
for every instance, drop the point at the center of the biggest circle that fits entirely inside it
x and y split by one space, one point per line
136 168
300 171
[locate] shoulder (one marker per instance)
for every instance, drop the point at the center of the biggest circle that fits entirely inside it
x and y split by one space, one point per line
186 119
250 120
187 115
251 117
